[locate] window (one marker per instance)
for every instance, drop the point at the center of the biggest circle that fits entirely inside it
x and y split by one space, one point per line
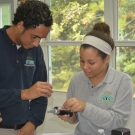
125 50
126 20
4 15
125 60
73 19
65 62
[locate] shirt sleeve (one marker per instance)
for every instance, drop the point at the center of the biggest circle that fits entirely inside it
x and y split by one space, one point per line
70 94
12 96
38 106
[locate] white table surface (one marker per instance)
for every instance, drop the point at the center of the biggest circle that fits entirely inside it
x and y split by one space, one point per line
58 134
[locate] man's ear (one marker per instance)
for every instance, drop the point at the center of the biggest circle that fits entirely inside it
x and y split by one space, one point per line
20 26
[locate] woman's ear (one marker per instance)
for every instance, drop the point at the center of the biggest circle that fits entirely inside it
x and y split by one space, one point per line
107 59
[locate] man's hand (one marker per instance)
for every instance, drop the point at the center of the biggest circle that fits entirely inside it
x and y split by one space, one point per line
74 105
37 90
0 118
27 129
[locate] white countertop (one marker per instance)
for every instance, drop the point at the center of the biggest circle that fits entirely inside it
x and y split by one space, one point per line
58 134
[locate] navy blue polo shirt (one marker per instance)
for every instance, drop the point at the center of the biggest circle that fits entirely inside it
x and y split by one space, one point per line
19 70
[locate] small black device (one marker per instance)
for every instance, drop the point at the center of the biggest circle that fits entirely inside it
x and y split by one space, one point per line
58 111
120 131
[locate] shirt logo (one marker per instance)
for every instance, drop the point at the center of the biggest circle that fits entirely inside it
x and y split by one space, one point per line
107 97
29 62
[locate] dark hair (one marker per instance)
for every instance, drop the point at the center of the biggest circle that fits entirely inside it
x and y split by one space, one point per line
33 13
102 31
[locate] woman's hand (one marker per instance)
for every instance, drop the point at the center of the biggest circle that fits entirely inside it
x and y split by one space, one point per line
64 117
69 119
74 105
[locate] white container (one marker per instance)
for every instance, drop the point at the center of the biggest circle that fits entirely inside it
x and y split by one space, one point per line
101 131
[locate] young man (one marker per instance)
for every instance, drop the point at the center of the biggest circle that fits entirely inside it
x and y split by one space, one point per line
23 78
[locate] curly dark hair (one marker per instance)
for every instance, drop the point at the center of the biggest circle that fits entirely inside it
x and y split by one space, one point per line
33 13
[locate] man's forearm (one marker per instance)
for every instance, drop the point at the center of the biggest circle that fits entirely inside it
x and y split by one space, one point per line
24 95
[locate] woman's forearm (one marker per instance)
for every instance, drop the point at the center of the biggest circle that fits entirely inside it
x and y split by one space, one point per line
73 119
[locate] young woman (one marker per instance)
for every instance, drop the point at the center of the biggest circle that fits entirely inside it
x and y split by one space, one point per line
99 96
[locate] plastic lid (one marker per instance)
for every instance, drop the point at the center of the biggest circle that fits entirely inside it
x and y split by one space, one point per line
101 130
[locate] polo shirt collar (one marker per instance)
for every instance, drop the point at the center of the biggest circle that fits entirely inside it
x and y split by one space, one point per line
109 75
6 35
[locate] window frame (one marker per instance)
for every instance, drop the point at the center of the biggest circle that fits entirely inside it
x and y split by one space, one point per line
110 17
1 5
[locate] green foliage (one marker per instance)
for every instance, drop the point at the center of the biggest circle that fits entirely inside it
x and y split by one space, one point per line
125 61
72 20
65 61
126 21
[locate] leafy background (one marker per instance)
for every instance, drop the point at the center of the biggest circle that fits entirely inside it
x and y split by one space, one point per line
72 20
